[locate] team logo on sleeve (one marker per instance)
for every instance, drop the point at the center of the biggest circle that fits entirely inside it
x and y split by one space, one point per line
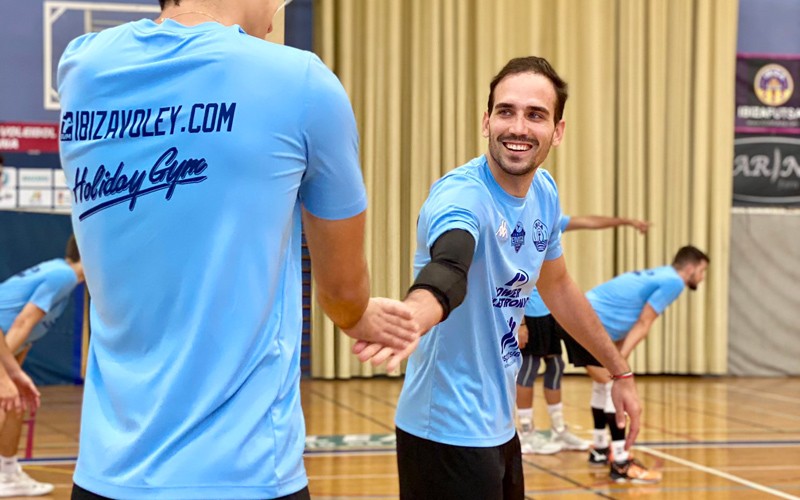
502 231
518 237
539 235
509 347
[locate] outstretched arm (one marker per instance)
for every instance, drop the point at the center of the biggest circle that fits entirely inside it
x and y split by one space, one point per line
639 331
342 283
603 222
439 288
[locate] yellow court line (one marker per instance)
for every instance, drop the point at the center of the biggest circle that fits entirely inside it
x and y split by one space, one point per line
50 468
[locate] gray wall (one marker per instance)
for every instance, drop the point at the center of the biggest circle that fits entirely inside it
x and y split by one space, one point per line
764 336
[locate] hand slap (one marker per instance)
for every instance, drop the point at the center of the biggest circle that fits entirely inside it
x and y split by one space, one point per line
387 322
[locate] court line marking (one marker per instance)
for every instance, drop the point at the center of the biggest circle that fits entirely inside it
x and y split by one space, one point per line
574 482
690 409
732 388
351 409
719 444
718 473
391 450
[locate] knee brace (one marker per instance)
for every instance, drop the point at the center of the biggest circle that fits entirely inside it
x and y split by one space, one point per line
530 368
554 369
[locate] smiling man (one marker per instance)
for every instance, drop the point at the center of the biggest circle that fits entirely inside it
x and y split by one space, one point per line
488 230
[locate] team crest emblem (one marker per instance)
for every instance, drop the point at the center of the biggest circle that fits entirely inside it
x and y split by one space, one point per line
502 231
518 237
539 235
773 85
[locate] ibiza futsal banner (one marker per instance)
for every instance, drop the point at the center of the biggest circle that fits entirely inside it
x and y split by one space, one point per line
766 171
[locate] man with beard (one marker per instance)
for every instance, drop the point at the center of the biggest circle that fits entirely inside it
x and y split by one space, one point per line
627 306
488 232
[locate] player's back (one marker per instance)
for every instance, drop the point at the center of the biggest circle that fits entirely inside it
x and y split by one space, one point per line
185 148
619 301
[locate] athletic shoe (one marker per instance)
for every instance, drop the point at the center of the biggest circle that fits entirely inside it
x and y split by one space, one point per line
632 471
570 441
599 456
19 484
535 442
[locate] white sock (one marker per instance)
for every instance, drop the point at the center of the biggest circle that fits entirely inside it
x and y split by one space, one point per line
600 438
556 413
525 419
618 451
8 464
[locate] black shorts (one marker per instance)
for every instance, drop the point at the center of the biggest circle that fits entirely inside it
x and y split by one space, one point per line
79 493
578 355
544 336
436 471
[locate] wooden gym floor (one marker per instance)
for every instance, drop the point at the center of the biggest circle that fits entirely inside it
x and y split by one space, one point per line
714 438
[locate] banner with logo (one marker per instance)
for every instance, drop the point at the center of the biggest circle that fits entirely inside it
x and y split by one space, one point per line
30 178
29 137
767 146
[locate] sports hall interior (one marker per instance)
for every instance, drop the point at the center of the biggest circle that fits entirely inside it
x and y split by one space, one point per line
654 126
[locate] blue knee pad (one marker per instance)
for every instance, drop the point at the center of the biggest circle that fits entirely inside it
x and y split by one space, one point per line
554 369
530 367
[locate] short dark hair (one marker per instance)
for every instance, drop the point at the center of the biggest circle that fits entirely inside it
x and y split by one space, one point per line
164 3
689 255
536 65
72 253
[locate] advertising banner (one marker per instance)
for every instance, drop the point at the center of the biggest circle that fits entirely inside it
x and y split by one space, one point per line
30 178
767 145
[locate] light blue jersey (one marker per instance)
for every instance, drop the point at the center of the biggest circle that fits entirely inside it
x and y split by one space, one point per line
619 302
459 385
536 307
48 286
189 152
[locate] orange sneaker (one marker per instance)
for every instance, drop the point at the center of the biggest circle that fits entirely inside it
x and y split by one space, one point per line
632 471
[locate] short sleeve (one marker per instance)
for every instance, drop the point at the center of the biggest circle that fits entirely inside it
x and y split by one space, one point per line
332 187
667 293
55 286
548 194
455 202
564 222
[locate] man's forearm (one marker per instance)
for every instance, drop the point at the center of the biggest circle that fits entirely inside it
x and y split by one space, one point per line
345 306
7 359
573 312
344 309
636 335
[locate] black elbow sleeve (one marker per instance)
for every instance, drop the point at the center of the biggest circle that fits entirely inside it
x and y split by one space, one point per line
445 276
